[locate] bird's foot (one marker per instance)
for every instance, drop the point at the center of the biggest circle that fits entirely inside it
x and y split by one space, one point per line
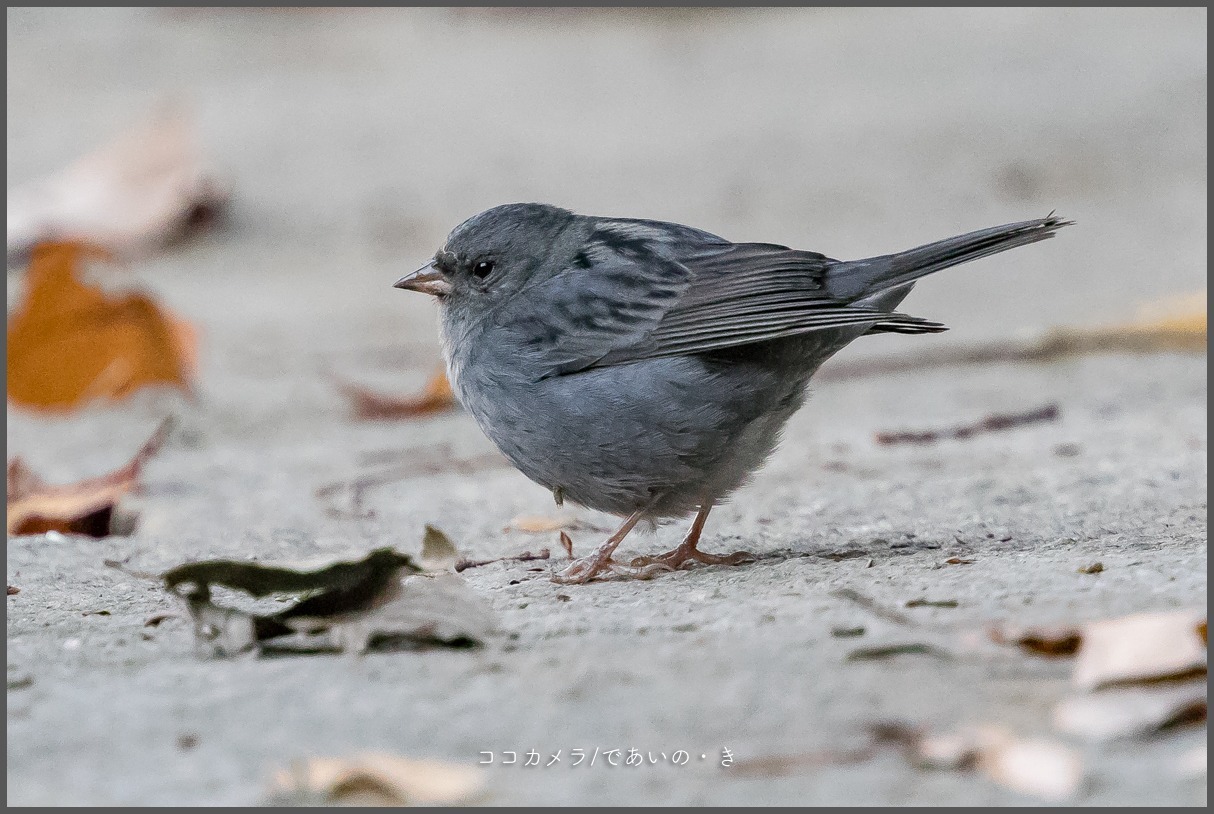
583 570
687 555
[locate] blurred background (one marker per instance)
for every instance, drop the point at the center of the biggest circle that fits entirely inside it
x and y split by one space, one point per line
352 140
265 175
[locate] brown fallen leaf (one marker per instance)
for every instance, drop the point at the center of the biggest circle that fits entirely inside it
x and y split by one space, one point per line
1141 648
1131 711
376 780
1058 640
958 561
12 589
1094 568
991 423
145 188
69 342
155 619
437 397
567 544
84 507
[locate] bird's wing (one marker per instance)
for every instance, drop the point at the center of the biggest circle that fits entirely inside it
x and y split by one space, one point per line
643 298
742 293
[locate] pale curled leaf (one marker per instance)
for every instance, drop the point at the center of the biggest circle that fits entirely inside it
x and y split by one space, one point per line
140 190
376 779
1035 767
438 552
1131 711
948 750
1141 647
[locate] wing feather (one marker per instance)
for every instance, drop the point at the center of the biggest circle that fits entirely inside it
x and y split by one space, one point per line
642 293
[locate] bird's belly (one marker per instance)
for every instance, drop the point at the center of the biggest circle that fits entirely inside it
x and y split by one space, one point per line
663 435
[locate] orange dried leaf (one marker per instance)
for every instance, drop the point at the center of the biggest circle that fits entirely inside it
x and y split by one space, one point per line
539 524
1178 324
69 342
368 404
84 507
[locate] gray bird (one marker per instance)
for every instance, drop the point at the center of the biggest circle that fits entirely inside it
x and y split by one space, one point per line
647 369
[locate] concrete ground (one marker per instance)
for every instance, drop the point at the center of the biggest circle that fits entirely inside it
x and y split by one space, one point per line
354 140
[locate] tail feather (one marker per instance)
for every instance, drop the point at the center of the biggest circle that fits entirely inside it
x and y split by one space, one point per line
902 327
862 278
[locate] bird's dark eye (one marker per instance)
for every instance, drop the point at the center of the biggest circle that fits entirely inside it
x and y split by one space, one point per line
483 269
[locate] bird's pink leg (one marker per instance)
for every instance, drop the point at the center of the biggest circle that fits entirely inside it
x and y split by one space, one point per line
687 553
592 565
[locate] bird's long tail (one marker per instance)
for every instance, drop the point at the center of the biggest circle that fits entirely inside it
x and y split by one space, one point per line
864 278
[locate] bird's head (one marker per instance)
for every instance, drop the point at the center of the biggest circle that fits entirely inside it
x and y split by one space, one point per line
494 255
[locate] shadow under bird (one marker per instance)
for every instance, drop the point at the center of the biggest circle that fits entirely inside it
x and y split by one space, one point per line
647 369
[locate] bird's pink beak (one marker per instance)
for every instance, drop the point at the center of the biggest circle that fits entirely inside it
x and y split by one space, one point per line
427 280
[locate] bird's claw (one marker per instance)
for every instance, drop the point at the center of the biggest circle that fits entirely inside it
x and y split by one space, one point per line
685 557
581 571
